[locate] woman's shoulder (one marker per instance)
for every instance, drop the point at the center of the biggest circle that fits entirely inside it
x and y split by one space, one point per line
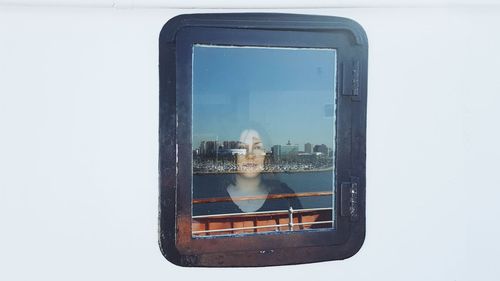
277 187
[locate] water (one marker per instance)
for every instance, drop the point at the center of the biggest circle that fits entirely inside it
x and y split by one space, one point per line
214 185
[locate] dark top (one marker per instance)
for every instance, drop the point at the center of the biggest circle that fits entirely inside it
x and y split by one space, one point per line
273 187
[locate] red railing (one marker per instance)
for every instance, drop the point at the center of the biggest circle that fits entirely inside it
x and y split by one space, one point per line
277 220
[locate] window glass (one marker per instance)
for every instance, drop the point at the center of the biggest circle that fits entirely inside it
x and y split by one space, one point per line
263 139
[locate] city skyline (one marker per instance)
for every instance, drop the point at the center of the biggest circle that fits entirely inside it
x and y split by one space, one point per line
284 94
222 143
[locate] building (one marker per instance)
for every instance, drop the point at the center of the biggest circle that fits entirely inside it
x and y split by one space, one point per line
308 148
209 148
230 144
232 151
322 148
289 151
276 152
203 148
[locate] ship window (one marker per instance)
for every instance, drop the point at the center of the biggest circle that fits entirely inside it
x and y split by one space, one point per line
262 137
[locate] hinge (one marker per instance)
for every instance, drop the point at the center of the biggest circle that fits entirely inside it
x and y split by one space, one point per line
355 78
349 196
355 70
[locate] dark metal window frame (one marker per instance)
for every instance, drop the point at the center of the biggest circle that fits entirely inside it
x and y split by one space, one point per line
175 156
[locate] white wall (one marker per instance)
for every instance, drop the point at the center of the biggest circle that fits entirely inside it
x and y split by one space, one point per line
78 147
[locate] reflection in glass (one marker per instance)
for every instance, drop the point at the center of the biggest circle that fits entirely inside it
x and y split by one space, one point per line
263 139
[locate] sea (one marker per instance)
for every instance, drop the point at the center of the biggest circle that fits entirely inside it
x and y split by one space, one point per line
214 185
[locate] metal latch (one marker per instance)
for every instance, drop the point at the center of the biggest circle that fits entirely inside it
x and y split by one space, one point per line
349 196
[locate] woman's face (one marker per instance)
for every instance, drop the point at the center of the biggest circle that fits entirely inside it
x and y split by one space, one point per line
252 163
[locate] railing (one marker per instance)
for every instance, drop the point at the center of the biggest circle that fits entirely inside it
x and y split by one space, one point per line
283 219
260 197
277 227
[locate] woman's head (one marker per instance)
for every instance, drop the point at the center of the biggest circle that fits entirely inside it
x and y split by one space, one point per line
251 164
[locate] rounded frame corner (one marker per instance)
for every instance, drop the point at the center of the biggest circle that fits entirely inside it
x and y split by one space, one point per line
172 26
355 246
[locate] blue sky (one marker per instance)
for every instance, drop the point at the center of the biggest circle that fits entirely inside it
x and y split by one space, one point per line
284 93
